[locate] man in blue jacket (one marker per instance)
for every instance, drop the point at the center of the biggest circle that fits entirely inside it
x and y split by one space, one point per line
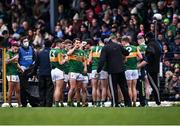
26 61
46 87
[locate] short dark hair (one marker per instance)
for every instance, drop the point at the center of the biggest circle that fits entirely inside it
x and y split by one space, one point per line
125 38
47 43
89 41
24 37
58 41
68 41
76 39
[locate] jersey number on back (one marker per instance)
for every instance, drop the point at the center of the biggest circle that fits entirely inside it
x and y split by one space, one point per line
129 49
52 53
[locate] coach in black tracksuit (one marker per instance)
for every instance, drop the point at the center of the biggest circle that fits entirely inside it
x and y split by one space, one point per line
112 54
151 61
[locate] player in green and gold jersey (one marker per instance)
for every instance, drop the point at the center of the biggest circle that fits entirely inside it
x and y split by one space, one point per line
87 76
131 67
67 46
12 73
103 76
77 66
57 59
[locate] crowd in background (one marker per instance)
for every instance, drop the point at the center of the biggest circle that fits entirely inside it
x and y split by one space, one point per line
93 19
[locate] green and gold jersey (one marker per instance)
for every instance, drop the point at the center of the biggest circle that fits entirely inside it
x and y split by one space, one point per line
11 68
76 60
66 64
56 56
87 52
142 48
131 60
95 54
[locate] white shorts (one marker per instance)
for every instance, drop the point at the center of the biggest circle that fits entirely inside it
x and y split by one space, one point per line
57 74
66 78
89 76
76 76
103 75
131 74
13 78
86 80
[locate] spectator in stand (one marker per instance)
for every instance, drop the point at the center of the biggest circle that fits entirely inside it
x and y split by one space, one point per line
61 13
166 52
95 28
3 27
170 38
14 27
177 47
96 6
68 33
84 33
105 31
106 18
174 88
23 30
59 32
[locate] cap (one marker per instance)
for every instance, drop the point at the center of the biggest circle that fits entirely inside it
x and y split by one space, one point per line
166 20
15 43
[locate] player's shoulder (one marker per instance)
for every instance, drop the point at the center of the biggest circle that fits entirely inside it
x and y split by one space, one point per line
9 52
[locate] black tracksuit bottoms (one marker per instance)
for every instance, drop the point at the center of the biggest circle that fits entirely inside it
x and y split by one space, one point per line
115 79
153 80
46 89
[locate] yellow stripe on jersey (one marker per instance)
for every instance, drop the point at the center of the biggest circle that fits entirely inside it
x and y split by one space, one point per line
96 54
77 58
72 57
132 55
53 59
60 57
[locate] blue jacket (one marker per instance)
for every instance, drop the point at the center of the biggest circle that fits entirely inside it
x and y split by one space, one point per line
26 56
43 62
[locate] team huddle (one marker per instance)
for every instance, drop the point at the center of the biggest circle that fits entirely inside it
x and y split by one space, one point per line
77 62
74 65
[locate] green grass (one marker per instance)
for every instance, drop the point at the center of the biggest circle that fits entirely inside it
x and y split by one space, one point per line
90 116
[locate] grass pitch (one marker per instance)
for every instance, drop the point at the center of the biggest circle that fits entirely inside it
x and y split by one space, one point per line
90 116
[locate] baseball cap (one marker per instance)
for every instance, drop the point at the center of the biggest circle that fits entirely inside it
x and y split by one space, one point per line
15 43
